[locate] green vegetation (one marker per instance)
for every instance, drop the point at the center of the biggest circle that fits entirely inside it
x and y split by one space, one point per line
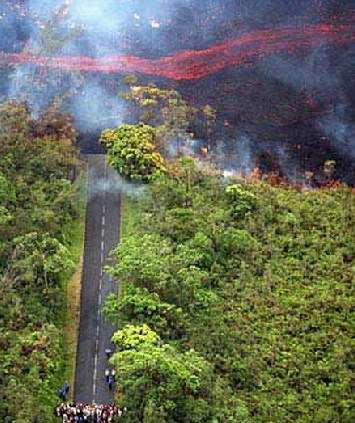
169 378
176 121
132 151
75 231
130 212
166 110
141 152
235 302
38 190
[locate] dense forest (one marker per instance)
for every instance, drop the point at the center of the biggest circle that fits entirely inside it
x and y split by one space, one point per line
235 301
39 207
230 125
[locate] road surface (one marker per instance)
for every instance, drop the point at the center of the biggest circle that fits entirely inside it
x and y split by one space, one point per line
101 235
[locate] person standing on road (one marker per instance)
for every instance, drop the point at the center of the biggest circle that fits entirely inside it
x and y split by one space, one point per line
66 388
108 353
61 394
107 375
111 381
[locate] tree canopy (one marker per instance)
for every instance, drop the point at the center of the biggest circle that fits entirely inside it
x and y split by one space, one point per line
38 201
159 383
176 120
256 280
132 151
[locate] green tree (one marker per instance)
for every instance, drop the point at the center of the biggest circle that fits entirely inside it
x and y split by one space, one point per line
171 115
210 115
7 200
132 151
138 306
243 201
263 277
40 259
38 163
153 374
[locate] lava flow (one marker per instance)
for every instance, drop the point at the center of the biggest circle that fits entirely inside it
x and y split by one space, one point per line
195 64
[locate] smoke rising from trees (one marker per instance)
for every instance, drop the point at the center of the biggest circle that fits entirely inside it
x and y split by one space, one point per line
277 102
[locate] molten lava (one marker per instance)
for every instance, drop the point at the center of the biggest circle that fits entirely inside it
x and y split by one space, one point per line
195 64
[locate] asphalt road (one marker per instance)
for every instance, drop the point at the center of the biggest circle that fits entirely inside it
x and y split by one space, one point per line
101 235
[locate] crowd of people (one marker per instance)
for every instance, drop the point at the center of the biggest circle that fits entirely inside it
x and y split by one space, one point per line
91 413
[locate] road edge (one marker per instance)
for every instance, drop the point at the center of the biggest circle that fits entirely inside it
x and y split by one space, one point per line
73 294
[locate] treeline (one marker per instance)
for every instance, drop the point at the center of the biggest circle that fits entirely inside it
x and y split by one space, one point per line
38 202
235 302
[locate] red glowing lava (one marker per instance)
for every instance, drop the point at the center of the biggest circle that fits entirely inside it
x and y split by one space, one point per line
195 64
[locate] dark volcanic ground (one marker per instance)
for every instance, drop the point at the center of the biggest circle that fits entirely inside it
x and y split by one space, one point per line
288 112
300 124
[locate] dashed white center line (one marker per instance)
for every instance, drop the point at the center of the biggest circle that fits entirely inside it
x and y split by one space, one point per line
103 222
95 371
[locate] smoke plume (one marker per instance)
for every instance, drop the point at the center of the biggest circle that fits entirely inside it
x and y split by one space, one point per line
279 73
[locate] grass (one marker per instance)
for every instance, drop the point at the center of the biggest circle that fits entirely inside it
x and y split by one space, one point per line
130 212
73 286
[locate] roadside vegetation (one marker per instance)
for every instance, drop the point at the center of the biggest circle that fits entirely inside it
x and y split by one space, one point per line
132 151
76 232
235 302
39 210
166 128
235 294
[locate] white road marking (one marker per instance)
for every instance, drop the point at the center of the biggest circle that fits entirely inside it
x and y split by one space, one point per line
95 377
94 390
96 353
103 222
